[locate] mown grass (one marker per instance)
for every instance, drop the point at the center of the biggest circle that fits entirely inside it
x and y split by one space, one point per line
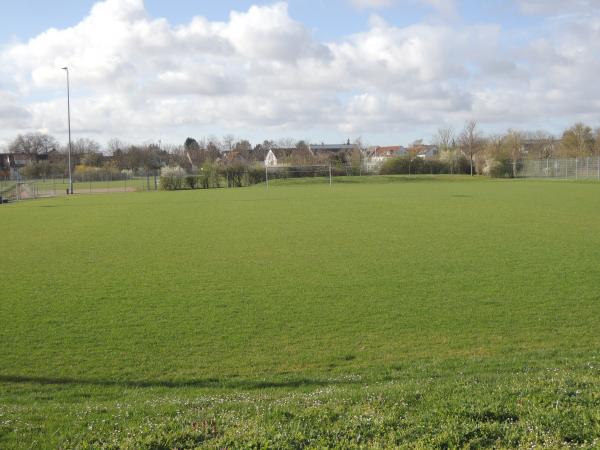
381 312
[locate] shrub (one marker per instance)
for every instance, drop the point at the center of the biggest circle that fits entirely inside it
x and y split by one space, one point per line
499 168
191 181
235 174
421 166
209 176
256 174
397 166
171 183
92 173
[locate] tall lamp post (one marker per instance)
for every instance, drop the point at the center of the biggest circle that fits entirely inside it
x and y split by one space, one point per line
69 118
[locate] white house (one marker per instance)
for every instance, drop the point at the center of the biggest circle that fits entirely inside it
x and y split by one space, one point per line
271 159
429 151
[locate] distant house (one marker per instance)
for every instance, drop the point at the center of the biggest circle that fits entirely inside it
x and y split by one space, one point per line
332 148
279 156
271 159
541 147
428 151
379 155
10 163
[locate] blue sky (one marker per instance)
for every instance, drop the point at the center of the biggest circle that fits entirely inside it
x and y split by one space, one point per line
329 19
390 71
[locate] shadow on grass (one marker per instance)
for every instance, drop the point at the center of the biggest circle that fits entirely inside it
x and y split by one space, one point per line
369 179
383 179
196 383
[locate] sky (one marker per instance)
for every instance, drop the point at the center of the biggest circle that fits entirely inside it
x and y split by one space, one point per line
387 71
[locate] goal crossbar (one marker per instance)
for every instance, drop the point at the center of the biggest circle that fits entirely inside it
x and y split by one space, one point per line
321 170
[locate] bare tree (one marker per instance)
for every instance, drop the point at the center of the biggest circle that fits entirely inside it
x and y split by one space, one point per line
116 145
578 140
228 141
493 145
444 139
212 150
514 145
597 142
471 141
302 154
285 143
33 144
84 145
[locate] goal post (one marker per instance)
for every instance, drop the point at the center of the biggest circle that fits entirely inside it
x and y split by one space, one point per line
323 172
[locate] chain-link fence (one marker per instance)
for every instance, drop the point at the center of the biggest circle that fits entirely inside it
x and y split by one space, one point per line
25 189
576 168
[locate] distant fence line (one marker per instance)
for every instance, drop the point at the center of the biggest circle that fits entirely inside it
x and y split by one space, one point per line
575 168
21 188
25 188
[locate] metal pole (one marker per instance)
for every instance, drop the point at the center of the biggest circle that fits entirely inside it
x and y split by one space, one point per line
330 182
69 119
576 168
267 175
18 186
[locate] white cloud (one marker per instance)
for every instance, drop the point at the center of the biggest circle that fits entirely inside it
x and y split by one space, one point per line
138 77
371 4
445 7
557 7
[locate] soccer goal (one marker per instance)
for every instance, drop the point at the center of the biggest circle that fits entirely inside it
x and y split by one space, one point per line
302 174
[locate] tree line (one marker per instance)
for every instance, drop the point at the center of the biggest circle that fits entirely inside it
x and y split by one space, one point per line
88 159
500 154
468 151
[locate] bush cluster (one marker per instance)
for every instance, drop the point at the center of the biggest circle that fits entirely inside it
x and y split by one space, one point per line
83 172
503 167
171 183
419 166
210 177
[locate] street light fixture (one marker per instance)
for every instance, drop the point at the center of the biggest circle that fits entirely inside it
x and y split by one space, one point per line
69 118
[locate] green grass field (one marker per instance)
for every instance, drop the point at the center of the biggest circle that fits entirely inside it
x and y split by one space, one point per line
380 312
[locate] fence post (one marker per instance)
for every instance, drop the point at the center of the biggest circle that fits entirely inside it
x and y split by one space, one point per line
576 168
587 170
